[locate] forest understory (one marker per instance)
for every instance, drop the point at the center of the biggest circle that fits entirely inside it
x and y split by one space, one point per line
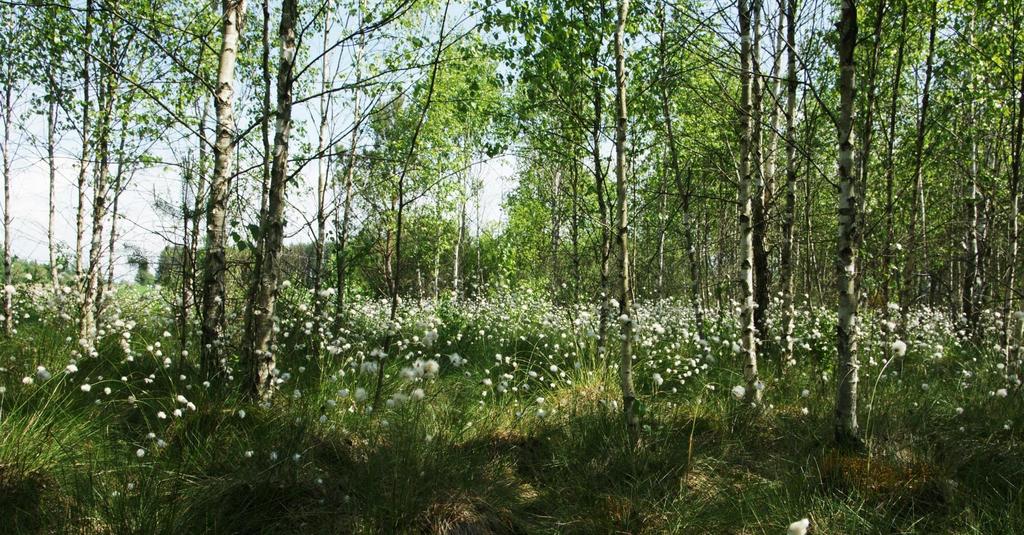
499 416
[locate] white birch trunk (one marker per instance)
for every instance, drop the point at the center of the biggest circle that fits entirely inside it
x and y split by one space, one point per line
8 277
625 295
748 340
260 321
846 427
215 262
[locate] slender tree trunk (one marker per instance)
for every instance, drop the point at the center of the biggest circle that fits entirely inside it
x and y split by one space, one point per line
260 313
759 224
604 221
662 224
726 249
786 262
556 186
775 113
438 239
215 261
83 167
114 209
51 159
890 163
323 164
776 108
1014 230
185 307
87 334
267 110
460 238
867 131
600 189
198 211
693 261
766 185
846 427
190 236
8 277
119 181
479 244
350 166
389 250
625 295
970 276
912 290
812 279
574 234
748 339
93 281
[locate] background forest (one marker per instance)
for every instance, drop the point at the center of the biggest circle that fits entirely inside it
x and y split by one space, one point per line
522 266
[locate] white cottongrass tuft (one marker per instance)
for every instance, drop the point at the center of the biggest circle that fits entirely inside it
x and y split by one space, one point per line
899 347
739 392
799 527
429 368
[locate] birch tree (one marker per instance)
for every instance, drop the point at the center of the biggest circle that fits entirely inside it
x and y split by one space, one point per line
215 260
786 261
846 427
8 81
259 332
1013 226
323 154
625 295
344 224
748 338
86 155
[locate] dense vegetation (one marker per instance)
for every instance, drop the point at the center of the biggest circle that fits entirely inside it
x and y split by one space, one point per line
498 418
755 268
